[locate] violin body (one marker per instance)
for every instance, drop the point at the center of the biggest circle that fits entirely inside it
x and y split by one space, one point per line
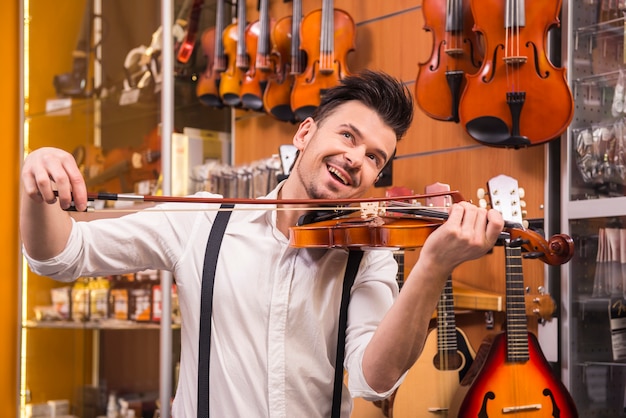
506 102
326 64
207 88
121 168
261 64
277 94
232 77
382 232
456 52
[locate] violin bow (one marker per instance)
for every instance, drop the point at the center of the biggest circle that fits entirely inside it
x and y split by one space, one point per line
455 195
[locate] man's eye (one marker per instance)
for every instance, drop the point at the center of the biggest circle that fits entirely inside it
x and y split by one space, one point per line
374 158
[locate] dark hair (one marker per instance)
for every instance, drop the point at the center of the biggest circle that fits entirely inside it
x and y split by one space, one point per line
387 96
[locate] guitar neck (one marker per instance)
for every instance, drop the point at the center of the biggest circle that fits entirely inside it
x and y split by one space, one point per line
446 320
516 321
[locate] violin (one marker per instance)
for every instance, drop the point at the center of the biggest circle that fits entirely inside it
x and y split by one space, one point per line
289 59
409 228
261 67
234 39
207 89
121 168
505 103
326 36
456 52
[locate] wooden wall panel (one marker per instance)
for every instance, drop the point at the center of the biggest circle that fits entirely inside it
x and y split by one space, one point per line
390 37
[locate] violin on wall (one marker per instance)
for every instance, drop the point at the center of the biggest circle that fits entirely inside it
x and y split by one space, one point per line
456 52
261 65
234 39
505 103
326 36
290 61
207 89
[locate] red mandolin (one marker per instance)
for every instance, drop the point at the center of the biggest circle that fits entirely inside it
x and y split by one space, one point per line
514 378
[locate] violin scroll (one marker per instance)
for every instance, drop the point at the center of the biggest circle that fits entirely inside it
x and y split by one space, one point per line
558 250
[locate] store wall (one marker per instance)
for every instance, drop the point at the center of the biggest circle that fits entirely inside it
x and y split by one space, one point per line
390 36
9 168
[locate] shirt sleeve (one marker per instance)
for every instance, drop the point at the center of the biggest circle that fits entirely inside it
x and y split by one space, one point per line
149 239
374 291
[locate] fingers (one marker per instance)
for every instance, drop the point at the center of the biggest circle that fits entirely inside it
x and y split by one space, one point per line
472 229
49 170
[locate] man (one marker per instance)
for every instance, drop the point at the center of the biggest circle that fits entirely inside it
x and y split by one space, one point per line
275 310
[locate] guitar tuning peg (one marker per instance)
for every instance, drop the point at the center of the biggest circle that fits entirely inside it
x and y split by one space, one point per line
482 203
522 203
525 222
521 192
480 193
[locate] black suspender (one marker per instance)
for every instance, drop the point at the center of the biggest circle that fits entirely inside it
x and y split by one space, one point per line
206 307
354 259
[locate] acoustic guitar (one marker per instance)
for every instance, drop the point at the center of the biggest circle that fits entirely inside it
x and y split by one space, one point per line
447 355
514 378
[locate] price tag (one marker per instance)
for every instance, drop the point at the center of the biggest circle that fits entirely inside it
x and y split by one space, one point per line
617 313
129 97
59 106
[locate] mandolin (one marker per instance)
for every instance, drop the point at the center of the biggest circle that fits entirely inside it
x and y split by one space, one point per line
514 379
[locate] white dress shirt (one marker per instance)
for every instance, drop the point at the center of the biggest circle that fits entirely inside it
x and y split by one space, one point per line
275 307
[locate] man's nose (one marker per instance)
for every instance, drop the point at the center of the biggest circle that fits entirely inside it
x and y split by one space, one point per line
355 156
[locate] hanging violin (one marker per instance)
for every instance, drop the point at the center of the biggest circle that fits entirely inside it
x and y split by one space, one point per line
261 64
290 60
326 36
518 97
456 52
234 39
207 89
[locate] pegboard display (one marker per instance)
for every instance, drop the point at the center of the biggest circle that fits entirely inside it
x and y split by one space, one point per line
598 81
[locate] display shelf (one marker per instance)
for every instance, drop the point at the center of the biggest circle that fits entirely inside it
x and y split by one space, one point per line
98 325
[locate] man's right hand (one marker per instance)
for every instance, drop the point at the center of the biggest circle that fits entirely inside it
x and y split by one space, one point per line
47 170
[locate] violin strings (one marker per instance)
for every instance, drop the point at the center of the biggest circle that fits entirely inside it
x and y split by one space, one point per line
421 211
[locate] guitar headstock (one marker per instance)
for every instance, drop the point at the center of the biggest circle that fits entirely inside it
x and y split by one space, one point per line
506 197
542 305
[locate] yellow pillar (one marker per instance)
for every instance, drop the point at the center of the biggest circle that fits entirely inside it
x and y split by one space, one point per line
10 159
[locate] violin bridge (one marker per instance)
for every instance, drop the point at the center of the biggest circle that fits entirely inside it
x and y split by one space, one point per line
371 209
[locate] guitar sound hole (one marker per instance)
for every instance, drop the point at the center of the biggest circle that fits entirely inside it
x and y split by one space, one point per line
448 360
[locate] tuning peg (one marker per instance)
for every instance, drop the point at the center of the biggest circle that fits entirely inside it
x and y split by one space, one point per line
522 203
482 203
521 192
480 193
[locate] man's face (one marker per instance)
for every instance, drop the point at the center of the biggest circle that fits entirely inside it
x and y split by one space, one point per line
342 156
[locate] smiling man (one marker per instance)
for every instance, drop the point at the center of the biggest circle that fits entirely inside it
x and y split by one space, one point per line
274 324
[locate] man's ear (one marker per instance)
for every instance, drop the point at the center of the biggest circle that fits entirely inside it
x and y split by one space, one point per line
304 133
